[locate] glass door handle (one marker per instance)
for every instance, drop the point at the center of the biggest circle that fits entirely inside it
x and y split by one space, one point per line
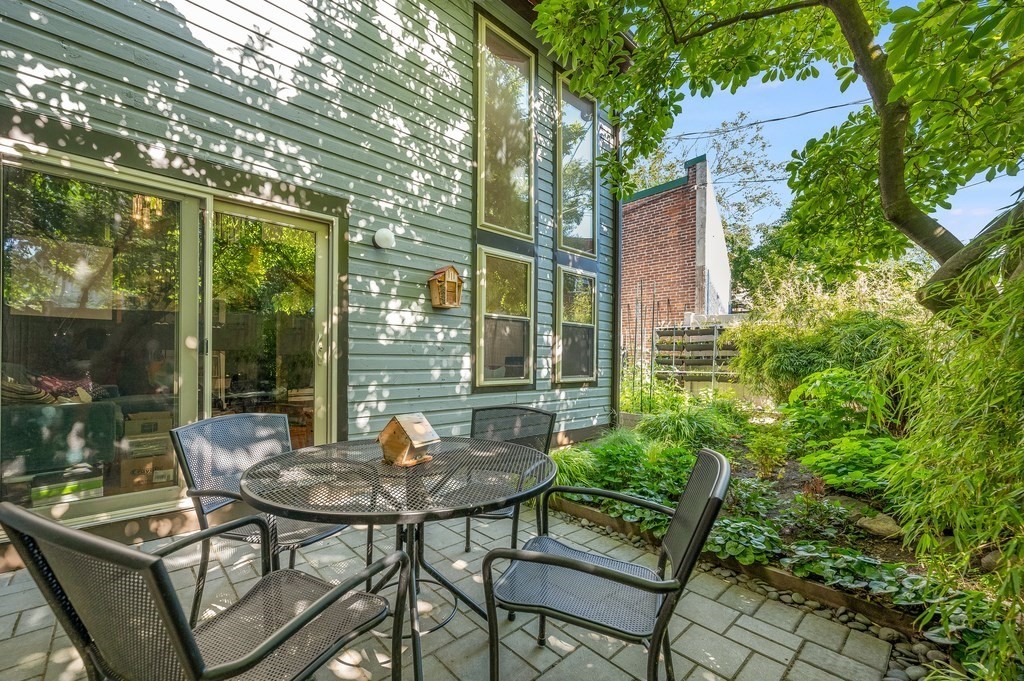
318 350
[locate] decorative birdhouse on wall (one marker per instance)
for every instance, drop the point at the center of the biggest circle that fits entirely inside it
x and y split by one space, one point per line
405 440
446 288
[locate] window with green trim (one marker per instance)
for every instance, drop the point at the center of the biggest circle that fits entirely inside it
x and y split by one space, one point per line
505 180
577 172
576 345
505 318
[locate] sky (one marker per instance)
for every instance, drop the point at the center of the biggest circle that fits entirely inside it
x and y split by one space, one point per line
972 207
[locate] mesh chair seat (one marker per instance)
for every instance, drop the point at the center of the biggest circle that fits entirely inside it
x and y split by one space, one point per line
266 607
577 594
290 533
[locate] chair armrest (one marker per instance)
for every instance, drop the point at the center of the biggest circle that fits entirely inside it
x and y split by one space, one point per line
292 626
257 520
655 586
213 493
594 492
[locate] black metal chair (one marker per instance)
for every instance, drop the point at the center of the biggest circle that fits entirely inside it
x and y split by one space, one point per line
119 608
213 454
628 601
520 425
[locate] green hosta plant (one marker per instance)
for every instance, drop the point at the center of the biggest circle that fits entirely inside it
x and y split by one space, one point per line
855 463
852 570
745 540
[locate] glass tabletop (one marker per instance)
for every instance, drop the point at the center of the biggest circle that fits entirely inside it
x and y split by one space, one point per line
348 482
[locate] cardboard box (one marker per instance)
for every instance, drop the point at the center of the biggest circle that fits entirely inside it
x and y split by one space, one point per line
148 472
148 422
147 445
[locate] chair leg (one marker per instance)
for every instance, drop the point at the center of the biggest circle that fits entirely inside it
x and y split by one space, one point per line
369 551
197 598
669 674
542 631
291 559
469 528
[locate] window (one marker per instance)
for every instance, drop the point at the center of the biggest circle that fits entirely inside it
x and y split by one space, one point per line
92 349
577 172
505 323
575 349
505 180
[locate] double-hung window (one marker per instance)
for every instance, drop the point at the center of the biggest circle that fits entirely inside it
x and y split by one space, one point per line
576 343
505 189
506 312
577 172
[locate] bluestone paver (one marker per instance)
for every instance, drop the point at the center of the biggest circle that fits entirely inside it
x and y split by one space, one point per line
865 648
760 668
840 666
831 635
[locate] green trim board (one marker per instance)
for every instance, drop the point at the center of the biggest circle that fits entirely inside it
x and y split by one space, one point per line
665 186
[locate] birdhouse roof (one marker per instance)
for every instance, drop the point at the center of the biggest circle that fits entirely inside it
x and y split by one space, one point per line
443 272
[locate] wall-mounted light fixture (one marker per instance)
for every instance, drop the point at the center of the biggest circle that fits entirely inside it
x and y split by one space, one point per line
384 238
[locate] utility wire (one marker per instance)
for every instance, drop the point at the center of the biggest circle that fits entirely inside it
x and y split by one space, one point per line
718 131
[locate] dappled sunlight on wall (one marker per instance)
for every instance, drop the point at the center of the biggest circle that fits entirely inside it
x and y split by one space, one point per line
370 101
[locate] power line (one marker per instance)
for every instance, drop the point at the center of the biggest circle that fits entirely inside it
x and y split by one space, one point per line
718 131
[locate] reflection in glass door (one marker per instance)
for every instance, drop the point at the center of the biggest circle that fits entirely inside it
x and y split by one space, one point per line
269 326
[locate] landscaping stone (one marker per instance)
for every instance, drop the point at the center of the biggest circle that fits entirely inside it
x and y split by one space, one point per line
916 672
990 560
881 525
798 599
889 635
895 675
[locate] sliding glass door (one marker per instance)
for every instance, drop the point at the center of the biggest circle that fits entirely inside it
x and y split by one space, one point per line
270 334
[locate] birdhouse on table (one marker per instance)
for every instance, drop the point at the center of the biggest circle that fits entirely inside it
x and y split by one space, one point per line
405 440
446 287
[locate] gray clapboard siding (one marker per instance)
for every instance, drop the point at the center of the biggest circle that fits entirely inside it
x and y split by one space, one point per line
197 68
370 102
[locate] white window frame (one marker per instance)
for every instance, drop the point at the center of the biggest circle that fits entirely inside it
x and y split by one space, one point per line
482 253
483 28
559 321
563 84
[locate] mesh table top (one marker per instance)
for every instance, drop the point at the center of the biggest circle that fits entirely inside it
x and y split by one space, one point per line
348 482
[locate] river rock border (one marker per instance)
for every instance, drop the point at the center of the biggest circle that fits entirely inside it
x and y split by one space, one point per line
912 658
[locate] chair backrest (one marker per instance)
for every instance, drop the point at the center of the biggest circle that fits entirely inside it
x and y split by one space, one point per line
519 425
116 604
696 513
214 453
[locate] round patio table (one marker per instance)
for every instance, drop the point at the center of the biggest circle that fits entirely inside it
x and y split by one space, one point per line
349 483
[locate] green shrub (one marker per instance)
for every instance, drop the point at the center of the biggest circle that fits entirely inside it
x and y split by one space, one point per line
808 517
751 498
745 540
855 463
829 403
767 451
575 466
626 461
692 426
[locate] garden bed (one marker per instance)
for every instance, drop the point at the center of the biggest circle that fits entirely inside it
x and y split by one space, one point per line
781 580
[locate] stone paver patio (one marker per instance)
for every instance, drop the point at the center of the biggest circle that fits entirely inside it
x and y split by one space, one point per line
720 631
